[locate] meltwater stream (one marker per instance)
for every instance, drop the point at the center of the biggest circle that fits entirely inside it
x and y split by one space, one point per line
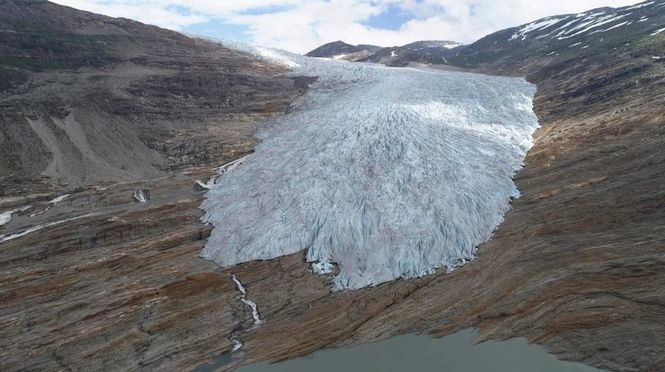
385 172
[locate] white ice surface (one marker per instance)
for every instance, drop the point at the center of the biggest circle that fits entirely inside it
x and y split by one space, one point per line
387 172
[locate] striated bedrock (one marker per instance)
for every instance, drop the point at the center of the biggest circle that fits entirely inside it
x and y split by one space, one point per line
385 172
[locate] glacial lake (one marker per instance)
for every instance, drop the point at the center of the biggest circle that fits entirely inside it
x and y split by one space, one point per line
412 353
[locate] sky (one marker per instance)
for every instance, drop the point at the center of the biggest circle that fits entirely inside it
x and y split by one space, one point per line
302 25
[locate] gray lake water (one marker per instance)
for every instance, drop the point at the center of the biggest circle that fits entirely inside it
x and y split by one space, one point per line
454 353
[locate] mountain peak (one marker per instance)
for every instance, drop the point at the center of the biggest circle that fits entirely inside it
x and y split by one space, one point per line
341 50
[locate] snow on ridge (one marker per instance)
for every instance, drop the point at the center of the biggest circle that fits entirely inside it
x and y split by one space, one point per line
588 24
638 6
452 45
384 172
534 26
626 23
579 24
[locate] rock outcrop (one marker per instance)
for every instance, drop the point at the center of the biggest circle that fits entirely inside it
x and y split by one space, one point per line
342 50
419 52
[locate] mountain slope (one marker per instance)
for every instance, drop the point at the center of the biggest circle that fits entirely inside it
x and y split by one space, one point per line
588 57
423 52
87 98
342 50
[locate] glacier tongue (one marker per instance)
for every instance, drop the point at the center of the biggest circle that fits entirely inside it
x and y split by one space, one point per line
387 172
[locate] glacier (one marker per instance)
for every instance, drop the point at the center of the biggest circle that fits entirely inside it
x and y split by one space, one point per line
383 172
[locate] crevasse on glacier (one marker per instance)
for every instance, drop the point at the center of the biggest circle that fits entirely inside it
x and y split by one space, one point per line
387 172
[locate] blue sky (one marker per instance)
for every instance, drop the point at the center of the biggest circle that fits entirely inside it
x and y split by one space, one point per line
392 18
301 25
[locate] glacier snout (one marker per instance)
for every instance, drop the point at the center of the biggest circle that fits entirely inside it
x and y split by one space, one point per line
386 172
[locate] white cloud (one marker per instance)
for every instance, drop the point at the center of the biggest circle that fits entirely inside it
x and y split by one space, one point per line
301 25
151 12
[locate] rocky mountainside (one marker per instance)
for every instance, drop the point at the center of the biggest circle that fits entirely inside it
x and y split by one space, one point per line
342 50
590 36
421 52
105 283
88 99
595 35
584 60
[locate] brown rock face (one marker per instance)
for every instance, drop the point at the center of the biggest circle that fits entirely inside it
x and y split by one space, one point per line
577 266
96 99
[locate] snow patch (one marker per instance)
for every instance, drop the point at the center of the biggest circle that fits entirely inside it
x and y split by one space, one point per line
5 217
588 24
616 26
658 31
452 45
237 345
538 25
8 237
141 196
59 199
